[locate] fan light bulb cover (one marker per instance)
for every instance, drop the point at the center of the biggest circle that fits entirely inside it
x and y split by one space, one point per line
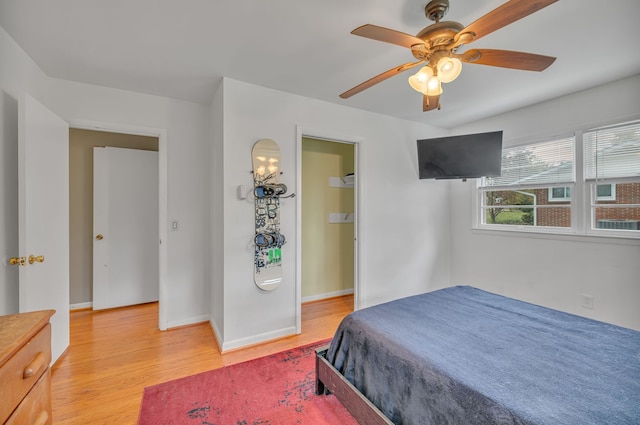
419 80
449 69
434 87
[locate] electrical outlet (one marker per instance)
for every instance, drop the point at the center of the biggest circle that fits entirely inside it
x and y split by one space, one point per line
587 301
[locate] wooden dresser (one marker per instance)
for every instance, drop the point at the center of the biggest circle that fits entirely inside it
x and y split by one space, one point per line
25 354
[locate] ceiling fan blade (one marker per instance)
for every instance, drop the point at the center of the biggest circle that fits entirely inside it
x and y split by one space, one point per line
502 16
387 35
507 59
379 78
430 103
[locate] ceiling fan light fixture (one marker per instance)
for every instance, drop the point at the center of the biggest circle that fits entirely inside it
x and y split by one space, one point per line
448 69
437 46
434 88
420 79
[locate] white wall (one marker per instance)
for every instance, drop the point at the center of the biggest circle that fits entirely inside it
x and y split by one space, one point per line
552 271
187 130
404 236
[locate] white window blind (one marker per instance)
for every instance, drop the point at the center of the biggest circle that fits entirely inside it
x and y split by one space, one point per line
545 163
612 152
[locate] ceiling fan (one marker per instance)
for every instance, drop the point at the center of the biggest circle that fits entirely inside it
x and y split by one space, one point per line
437 46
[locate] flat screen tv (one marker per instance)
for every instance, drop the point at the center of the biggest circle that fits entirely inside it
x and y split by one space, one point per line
461 157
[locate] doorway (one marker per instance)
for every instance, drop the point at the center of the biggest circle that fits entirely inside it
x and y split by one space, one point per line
327 254
81 146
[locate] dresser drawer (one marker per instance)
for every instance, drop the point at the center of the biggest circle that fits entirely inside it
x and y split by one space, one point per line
35 409
19 374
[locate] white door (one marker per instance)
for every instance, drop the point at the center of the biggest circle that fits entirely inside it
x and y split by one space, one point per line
43 216
125 227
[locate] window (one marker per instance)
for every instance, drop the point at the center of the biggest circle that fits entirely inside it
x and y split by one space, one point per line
534 189
559 193
612 175
543 189
606 192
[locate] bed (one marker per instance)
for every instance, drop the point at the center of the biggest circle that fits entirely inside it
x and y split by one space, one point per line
461 355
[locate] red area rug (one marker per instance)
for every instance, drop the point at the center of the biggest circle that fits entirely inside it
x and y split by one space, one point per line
274 390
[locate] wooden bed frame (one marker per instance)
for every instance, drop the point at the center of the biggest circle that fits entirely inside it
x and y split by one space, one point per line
328 379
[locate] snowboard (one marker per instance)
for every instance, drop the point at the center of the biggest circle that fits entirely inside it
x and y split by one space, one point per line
267 189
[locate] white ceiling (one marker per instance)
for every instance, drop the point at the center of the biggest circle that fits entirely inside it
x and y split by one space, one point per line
182 49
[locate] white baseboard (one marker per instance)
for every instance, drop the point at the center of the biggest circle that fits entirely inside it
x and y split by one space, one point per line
216 332
190 321
256 339
80 306
327 295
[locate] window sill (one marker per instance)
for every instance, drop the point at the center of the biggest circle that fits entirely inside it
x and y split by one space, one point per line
608 238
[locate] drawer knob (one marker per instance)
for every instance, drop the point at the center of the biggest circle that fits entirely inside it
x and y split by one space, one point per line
36 366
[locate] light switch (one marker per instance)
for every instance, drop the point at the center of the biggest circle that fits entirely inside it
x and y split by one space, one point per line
242 192
174 226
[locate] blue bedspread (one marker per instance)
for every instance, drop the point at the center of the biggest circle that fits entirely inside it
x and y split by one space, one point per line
465 356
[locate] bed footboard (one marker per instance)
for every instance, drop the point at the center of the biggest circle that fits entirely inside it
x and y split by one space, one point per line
329 379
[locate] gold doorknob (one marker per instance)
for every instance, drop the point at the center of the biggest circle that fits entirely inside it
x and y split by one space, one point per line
99 236
19 261
33 259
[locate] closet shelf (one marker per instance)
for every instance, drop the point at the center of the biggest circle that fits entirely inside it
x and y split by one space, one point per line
339 182
341 217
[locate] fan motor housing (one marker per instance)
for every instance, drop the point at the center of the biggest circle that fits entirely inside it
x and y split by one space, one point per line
436 37
441 33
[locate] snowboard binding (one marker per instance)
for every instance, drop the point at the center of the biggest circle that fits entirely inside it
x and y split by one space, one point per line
270 240
269 190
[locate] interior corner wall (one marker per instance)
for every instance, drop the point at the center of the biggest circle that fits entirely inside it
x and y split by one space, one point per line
552 271
217 215
403 222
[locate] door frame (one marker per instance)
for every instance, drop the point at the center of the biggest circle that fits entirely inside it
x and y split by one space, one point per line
163 230
357 153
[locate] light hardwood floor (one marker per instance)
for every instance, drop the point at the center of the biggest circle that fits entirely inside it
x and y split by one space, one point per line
115 353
